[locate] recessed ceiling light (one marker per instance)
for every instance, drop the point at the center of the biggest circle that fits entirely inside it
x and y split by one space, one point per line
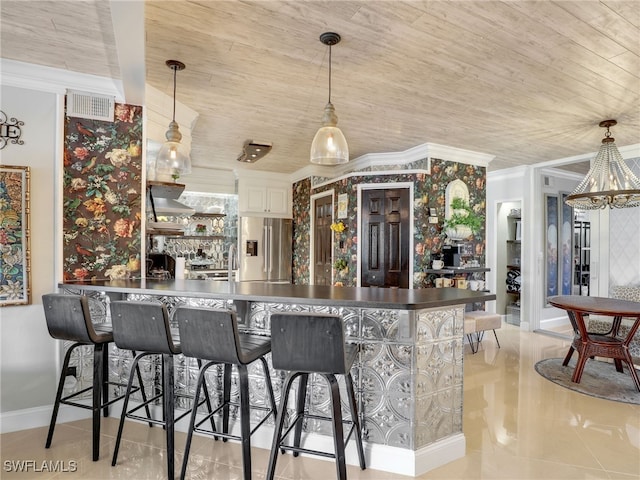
253 151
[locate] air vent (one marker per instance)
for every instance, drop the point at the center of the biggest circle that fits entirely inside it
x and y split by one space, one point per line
90 105
547 181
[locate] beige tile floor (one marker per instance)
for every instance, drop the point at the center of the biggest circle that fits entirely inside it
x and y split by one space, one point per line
517 425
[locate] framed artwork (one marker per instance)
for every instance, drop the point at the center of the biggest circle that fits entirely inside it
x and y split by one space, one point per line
551 242
343 205
566 246
15 261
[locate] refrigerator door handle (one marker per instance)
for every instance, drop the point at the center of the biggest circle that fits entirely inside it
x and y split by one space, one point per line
270 267
265 246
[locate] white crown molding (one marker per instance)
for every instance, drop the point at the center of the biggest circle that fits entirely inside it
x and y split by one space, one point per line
630 151
242 174
508 173
56 80
559 173
419 152
627 151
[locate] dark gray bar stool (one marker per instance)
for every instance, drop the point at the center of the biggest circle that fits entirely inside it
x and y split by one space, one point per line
305 343
213 335
68 318
144 327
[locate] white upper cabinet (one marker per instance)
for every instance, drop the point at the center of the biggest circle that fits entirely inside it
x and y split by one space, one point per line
267 198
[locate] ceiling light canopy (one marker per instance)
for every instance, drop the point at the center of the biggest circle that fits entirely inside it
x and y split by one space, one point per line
173 157
253 151
329 147
610 181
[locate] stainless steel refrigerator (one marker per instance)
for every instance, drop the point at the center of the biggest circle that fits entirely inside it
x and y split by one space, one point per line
264 250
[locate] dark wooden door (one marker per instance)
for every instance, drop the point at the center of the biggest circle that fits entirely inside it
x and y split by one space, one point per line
386 240
323 208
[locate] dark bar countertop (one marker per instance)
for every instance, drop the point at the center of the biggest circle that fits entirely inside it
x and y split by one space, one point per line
366 297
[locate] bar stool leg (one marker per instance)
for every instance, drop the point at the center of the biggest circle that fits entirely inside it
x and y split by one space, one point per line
245 424
267 377
354 418
142 390
105 380
226 398
207 399
56 403
169 404
338 433
192 420
302 398
98 355
125 405
279 424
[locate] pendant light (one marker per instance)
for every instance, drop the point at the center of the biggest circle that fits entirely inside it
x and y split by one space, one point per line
329 147
173 157
610 182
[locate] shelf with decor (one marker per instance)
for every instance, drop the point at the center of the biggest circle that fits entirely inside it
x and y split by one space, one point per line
513 275
581 257
471 278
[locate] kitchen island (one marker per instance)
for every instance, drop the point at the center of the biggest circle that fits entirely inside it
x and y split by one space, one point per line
408 377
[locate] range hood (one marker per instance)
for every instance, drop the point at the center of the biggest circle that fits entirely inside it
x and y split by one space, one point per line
169 206
162 196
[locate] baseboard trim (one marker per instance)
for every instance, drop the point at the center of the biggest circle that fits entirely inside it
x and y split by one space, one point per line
379 457
38 417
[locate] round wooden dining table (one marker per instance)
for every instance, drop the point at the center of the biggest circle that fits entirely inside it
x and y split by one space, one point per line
608 345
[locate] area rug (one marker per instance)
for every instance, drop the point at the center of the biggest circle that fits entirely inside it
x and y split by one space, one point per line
599 379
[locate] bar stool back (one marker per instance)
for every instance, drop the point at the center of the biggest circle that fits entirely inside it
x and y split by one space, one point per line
213 335
68 318
305 343
145 327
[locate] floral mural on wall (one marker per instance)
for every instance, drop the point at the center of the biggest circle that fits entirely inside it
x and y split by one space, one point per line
429 192
301 229
102 196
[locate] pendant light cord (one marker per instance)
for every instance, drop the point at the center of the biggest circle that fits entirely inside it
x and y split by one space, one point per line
329 73
174 91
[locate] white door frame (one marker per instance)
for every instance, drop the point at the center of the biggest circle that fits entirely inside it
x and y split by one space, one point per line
385 186
312 232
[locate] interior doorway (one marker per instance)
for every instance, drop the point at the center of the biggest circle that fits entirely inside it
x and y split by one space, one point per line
322 247
509 261
386 237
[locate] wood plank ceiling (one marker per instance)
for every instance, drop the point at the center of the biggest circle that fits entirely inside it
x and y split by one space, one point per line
526 81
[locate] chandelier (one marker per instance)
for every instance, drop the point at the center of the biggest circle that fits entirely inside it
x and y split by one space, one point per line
610 182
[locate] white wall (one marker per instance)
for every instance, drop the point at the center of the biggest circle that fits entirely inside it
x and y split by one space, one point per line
624 241
29 357
507 187
27 353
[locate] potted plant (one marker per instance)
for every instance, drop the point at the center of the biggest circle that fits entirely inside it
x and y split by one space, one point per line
463 222
340 264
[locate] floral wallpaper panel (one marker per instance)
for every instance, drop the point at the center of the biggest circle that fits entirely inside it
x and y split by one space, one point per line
102 197
429 192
